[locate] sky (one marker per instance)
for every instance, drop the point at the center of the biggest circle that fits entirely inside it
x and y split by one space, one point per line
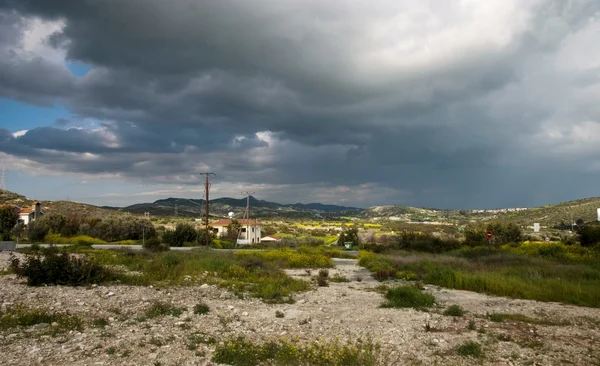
437 103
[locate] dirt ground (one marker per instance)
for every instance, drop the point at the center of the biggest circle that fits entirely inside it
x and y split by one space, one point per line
343 311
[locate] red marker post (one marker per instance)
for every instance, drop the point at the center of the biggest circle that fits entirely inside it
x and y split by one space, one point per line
490 235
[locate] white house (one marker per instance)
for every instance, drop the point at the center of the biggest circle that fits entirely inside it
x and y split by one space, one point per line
270 239
30 214
250 230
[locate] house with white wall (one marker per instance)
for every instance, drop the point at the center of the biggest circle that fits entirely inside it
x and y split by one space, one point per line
250 230
30 214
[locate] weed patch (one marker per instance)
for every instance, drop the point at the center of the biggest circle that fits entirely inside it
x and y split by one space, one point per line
470 349
454 310
288 258
242 352
21 316
526 272
244 275
162 309
407 297
339 278
501 317
201 308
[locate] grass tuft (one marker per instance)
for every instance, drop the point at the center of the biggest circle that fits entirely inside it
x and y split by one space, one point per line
470 349
408 297
454 310
201 308
162 309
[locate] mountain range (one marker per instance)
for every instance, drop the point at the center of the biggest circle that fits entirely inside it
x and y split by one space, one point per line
562 214
220 207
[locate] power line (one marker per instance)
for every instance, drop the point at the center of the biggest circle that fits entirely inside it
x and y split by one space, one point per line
206 189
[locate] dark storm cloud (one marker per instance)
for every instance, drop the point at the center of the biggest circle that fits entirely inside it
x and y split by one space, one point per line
449 103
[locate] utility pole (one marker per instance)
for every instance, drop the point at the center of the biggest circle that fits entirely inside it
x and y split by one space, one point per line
247 214
206 189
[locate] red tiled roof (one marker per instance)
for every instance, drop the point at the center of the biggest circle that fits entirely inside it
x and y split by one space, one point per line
25 210
274 237
242 222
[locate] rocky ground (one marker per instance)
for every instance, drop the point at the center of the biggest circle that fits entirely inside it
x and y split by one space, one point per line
343 311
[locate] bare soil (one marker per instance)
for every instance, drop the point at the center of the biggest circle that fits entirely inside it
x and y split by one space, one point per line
344 311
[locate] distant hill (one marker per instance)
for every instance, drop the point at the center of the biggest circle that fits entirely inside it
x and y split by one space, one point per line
220 207
66 208
555 215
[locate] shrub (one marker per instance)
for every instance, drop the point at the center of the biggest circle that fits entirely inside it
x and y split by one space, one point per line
201 308
36 232
454 310
324 272
116 228
322 281
407 297
154 245
589 234
470 349
59 268
160 309
279 314
183 233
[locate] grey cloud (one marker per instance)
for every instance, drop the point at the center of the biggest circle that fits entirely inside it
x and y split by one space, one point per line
178 83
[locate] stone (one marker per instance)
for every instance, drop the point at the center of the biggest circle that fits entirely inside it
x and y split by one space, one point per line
41 326
204 287
110 294
153 356
245 313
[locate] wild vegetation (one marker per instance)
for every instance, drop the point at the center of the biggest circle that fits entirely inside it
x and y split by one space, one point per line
538 271
243 352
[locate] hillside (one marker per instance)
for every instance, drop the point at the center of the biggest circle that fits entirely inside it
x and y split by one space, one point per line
66 208
555 215
220 207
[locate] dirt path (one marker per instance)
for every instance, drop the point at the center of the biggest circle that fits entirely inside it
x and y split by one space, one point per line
343 311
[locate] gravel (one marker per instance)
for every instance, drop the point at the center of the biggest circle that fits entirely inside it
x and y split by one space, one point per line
341 311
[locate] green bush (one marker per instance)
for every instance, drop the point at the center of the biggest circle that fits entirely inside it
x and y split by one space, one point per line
36 232
154 245
183 233
201 308
408 297
470 349
454 310
59 268
589 234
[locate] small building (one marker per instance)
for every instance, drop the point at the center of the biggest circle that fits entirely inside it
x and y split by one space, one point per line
250 230
30 214
270 239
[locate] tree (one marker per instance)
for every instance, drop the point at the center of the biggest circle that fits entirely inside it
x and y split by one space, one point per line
233 230
8 220
183 234
350 235
589 234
